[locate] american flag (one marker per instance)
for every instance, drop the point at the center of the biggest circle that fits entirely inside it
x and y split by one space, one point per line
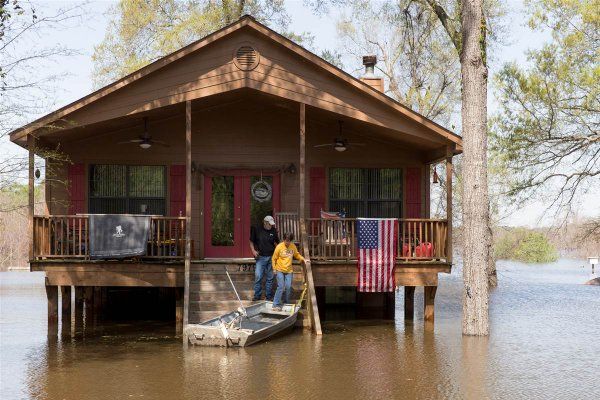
376 254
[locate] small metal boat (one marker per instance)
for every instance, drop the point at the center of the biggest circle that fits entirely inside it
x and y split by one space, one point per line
244 326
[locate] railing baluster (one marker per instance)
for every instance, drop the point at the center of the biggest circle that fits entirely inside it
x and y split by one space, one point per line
79 250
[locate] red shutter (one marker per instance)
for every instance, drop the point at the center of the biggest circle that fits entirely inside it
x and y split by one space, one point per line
317 191
76 178
177 191
413 193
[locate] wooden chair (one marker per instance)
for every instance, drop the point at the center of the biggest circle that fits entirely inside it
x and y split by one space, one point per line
288 222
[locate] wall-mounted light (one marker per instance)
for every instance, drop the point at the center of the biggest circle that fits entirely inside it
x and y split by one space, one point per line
194 167
37 174
290 169
436 178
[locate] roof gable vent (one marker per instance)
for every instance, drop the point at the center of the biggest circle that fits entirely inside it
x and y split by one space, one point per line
246 57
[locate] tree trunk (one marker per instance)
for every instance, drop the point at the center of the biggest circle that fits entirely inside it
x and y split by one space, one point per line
491 271
476 244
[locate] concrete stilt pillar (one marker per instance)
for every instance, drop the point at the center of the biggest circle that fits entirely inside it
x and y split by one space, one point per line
79 300
52 296
409 302
179 309
97 302
429 300
390 305
65 299
88 300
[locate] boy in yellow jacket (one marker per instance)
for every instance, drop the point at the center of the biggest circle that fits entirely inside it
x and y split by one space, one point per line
282 266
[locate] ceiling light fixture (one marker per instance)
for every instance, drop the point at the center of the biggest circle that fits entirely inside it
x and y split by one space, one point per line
340 145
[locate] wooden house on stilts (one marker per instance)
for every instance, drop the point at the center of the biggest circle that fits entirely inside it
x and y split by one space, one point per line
237 125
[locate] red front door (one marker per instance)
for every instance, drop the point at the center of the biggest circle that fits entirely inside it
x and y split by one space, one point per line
233 202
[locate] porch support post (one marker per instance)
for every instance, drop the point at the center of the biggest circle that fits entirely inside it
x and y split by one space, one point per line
449 155
52 297
79 300
88 300
97 301
409 302
429 302
311 302
30 207
178 308
302 172
65 298
188 212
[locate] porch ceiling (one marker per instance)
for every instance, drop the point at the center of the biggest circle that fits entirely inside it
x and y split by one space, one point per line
132 125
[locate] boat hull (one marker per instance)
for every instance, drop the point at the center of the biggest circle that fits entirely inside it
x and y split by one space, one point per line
232 330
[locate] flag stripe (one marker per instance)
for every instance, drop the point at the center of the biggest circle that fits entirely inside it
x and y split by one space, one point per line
376 254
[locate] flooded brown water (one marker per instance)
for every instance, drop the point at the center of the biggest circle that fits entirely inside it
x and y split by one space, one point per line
544 344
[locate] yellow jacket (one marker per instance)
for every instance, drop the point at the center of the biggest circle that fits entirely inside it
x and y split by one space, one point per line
282 257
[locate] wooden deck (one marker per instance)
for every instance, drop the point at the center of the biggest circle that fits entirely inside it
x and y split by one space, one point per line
170 274
330 247
210 291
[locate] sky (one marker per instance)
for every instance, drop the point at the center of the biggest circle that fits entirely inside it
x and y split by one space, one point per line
89 32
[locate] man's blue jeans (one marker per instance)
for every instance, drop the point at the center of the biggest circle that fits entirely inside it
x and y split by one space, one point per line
263 269
284 282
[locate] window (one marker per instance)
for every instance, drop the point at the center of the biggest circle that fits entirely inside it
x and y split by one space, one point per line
222 210
127 189
366 192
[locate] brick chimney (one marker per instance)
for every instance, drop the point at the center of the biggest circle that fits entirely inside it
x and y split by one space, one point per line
369 77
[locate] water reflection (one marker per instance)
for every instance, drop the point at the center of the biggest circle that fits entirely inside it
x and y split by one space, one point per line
543 344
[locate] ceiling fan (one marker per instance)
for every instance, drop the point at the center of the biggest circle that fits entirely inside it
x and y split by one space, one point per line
340 144
145 141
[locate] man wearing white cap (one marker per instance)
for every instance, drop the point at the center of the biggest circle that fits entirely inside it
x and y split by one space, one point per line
263 240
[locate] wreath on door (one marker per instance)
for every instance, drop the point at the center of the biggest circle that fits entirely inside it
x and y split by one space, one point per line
261 191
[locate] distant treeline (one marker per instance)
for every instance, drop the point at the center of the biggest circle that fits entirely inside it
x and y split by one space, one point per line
545 244
526 245
14 238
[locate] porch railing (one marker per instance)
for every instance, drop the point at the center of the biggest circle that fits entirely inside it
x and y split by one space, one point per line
418 239
66 237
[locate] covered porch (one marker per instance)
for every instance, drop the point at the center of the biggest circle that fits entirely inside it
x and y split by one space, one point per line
302 184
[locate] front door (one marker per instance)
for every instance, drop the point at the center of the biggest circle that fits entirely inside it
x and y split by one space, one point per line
233 202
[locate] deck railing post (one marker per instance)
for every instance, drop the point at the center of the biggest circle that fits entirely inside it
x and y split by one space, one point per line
302 171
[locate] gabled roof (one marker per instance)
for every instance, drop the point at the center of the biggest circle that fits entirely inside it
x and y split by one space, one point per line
245 21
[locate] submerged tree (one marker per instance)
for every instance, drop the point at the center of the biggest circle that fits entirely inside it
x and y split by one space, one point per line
467 27
546 135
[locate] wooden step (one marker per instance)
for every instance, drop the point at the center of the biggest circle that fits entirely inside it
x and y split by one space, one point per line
220 295
217 286
222 306
200 316
200 277
212 286
211 303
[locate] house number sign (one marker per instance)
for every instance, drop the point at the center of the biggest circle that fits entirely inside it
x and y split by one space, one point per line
261 191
